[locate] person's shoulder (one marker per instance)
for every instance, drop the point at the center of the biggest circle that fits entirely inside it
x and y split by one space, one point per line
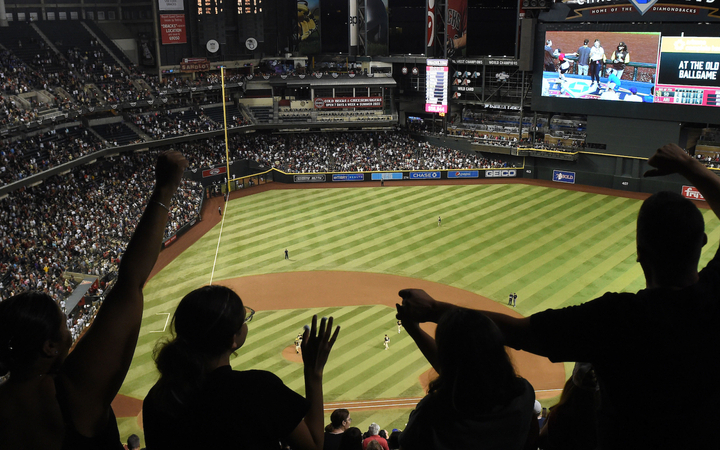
246 376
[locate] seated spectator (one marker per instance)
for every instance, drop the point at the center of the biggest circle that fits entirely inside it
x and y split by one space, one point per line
393 439
352 439
199 393
133 442
373 435
340 421
477 400
53 400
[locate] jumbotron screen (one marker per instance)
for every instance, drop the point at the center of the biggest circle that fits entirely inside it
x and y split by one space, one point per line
632 67
436 86
600 65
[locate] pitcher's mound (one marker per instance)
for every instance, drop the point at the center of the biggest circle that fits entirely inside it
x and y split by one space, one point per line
289 354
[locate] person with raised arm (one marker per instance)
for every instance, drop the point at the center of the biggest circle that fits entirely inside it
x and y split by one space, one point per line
199 393
56 400
653 351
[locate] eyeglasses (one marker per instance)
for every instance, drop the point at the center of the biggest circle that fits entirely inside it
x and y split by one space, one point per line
249 313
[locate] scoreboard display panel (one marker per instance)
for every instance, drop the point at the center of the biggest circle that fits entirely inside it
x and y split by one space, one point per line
688 71
436 86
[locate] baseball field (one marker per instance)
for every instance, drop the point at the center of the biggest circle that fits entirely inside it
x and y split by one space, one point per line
352 249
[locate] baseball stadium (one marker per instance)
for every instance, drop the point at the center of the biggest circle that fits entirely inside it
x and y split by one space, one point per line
518 250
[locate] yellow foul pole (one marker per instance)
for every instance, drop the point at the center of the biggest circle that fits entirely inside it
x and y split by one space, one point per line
227 151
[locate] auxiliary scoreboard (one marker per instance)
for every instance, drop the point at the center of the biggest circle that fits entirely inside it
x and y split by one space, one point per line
436 86
688 71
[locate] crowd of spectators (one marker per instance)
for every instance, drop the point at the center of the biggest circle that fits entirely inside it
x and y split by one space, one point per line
559 146
86 226
502 139
711 161
20 158
293 153
353 152
89 77
167 124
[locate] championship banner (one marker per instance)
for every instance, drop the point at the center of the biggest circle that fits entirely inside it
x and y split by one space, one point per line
171 5
348 102
172 28
632 11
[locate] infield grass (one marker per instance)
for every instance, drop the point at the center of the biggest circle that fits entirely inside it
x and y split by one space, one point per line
553 247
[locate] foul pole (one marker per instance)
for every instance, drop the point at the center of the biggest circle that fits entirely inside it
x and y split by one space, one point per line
227 151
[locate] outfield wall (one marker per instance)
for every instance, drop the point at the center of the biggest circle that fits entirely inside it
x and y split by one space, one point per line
356 177
598 169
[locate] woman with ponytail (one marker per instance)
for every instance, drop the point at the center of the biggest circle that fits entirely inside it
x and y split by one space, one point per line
198 393
340 421
55 400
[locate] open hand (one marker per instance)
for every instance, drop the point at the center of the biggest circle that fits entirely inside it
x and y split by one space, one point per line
317 343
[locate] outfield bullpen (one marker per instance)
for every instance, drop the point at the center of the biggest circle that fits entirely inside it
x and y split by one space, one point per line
352 249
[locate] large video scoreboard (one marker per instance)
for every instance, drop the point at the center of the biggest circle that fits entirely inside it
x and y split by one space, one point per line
436 86
647 71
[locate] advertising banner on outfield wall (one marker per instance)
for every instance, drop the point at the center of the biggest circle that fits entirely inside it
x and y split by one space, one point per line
387 176
692 193
463 174
172 29
501 173
632 11
425 175
562 176
348 177
320 178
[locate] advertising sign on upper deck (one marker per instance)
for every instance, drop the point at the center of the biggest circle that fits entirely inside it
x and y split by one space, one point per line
348 102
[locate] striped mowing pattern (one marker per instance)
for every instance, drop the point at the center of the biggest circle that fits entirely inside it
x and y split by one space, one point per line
553 247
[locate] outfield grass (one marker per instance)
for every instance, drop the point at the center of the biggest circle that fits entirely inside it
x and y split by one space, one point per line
553 247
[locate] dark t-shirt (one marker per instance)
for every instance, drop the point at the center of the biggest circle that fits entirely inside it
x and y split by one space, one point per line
584 56
107 439
251 409
436 425
655 355
332 441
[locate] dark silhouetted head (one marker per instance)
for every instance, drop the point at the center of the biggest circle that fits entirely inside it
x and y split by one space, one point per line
670 234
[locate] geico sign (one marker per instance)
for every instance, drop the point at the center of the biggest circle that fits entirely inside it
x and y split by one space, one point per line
500 173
